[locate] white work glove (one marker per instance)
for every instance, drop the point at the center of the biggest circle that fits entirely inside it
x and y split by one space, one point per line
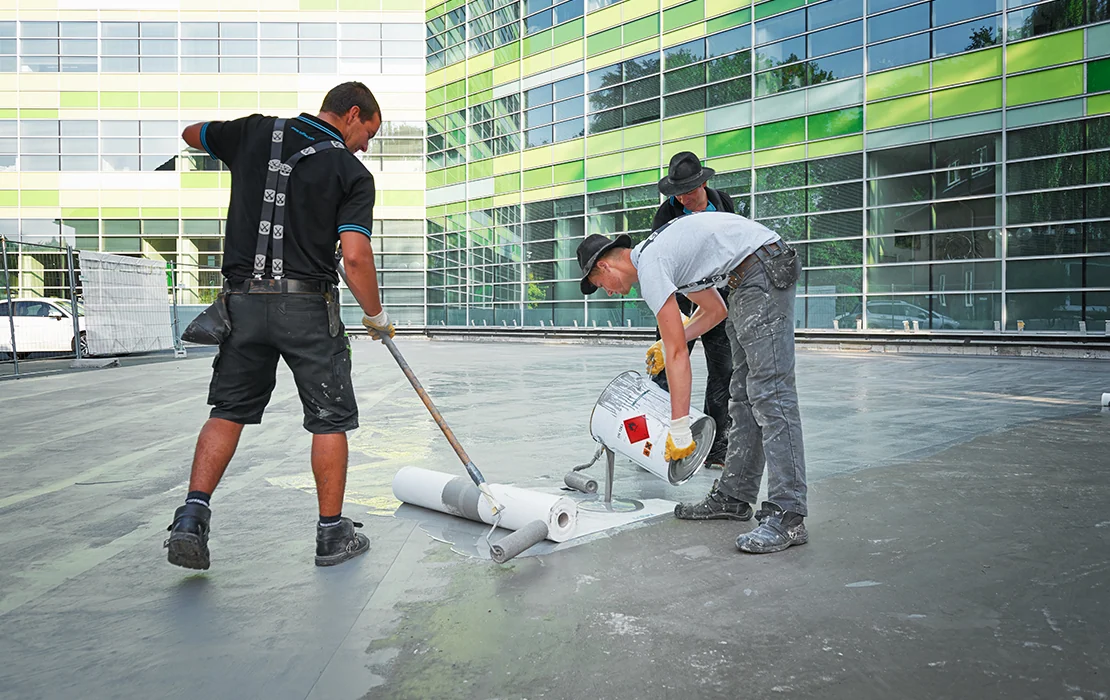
655 359
378 325
680 441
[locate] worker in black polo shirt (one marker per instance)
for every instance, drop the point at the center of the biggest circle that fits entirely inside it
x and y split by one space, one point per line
686 192
297 190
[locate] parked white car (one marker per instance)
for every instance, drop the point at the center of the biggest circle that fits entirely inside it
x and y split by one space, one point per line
42 325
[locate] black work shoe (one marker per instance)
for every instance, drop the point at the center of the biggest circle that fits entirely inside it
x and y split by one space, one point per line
715 506
777 531
188 542
338 543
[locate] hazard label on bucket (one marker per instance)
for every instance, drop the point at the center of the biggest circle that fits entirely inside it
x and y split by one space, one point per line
636 429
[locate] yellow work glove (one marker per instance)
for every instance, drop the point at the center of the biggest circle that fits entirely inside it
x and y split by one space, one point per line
378 325
655 360
680 441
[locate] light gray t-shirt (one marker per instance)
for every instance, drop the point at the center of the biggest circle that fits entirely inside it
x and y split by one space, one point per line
695 252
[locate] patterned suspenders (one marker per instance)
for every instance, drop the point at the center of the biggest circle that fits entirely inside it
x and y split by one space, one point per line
272 222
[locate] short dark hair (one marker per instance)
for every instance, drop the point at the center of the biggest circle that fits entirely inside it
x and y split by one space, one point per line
342 97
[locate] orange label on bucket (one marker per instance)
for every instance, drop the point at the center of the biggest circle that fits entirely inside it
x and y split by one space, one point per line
647 449
636 429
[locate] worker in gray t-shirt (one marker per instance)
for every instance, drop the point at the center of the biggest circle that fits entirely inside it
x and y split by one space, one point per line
694 255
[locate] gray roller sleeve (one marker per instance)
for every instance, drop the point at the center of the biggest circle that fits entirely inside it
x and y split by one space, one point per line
512 545
580 482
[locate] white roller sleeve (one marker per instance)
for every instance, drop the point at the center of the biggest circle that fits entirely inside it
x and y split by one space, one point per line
425 488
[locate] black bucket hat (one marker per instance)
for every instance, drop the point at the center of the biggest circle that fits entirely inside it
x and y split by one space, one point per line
684 173
593 248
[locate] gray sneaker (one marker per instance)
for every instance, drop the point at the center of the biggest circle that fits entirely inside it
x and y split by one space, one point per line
777 531
715 506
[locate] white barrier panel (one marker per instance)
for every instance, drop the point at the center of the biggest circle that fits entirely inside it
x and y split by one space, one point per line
127 304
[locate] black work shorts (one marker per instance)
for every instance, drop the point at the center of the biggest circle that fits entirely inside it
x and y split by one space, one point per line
294 327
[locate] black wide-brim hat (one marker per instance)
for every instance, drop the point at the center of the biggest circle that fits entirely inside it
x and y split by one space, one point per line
591 249
684 173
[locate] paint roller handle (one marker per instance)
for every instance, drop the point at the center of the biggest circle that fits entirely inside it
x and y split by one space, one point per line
471 469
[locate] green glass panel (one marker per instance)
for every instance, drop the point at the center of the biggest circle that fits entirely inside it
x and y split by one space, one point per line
728 142
481 169
1046 51
1044 85
435 97
479 97
164 100
455 90
569 172
603 183
509 182
454 175
603 41
641 29
732 19
204 180
1100 104
435 179
836 146
9 198
780 133
482 81
279 100
840 122
967 99
82 100
686 13
537 177
639 158
643 177
506 54
965 68
568 31
435 12
1098 75
120 100
775 7
238 100
901 111
898 82
537 42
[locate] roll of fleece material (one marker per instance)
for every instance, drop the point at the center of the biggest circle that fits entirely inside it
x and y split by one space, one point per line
457 495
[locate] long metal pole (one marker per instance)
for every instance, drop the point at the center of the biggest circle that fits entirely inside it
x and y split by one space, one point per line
73 303
8 294
173 296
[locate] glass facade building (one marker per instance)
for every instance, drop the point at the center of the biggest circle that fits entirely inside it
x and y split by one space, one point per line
93 102
942 163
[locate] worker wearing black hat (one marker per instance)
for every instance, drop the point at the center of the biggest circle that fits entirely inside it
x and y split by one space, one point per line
687 193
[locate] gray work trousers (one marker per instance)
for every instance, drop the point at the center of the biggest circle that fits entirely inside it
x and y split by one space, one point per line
766 425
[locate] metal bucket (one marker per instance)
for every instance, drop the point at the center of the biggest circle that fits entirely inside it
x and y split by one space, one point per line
633 416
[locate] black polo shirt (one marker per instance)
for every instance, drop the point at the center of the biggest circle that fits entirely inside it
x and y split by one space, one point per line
329 192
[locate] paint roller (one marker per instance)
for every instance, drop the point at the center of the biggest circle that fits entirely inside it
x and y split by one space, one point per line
511 545
578 481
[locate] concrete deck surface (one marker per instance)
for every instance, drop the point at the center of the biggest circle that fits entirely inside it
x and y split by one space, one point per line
960 542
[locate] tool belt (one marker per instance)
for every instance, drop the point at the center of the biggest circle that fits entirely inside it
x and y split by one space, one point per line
277 286
762 254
